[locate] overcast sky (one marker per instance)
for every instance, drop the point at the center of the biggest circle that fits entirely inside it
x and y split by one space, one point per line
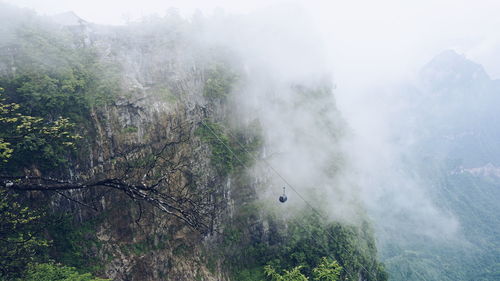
381 41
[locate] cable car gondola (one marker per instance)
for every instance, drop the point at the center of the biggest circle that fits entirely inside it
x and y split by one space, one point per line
283 198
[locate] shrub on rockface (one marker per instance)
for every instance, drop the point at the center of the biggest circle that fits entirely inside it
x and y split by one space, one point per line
21 240
27 141
327 270
230 150
219 83
56 272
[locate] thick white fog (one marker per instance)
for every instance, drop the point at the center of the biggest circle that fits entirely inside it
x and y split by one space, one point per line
383 38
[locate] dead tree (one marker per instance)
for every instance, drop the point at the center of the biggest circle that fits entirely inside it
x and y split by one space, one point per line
153 173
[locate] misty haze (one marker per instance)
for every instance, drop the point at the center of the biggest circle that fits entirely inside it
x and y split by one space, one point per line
264 140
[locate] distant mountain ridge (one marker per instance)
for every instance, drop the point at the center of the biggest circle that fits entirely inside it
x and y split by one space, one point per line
456 153
450 70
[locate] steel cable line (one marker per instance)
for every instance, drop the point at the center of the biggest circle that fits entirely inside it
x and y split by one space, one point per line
244 165
287 183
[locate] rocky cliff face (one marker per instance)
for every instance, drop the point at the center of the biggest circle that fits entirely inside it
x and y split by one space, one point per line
158 113
168 249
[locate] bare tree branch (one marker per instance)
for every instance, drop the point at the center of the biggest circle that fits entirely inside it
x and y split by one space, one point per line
152 173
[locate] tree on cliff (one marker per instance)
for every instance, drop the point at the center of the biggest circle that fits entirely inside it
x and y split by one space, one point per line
327 270
55 272
22 246
19 236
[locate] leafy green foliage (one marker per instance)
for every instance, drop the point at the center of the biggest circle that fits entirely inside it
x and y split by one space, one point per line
288 275
219 82
53 94
302 242
327 270
250 274
48 95
227 154
53 77
130 130
20 237
63 65
52 83
26 140
28 236
54 272
72 243
222 159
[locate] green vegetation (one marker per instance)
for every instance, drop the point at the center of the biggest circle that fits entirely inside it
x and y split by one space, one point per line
30 239
222 159
219 82
73 243
301 242
20 236
164 93
288 275
63 81
130 130
54 272
51 85
327 270
292 249
26 140
476 255
227 154
148 245
54 84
